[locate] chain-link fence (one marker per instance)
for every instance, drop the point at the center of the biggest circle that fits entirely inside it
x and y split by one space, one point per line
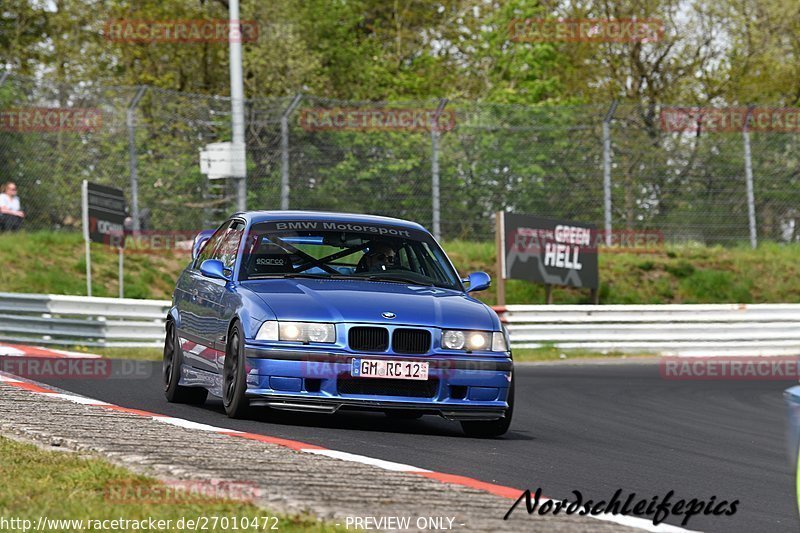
607 164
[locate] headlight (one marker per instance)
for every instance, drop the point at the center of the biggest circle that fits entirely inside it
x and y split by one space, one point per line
297 332
499 342
454 339
268 331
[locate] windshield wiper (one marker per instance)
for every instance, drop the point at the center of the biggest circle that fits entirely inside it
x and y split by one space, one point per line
374 277
397 279
298 275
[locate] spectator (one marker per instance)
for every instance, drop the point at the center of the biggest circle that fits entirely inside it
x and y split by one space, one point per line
10 213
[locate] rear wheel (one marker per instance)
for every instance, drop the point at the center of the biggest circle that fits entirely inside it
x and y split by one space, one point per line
491 428
171 372
234 378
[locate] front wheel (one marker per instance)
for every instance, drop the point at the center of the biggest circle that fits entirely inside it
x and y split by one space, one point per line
491 428
234 378
171 372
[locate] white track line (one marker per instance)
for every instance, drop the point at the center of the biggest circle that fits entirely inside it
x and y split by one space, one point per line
363 459
75 355
188 424
75 399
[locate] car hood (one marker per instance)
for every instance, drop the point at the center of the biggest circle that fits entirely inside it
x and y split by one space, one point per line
366 301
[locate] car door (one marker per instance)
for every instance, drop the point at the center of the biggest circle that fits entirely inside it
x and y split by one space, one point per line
222 298
196 311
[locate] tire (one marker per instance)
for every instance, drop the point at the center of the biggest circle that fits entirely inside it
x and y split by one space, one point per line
171 372
491 428
404 414
234 378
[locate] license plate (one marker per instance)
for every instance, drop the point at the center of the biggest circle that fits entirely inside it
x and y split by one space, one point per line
378 368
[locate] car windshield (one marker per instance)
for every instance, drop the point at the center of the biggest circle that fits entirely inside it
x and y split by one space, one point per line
345 251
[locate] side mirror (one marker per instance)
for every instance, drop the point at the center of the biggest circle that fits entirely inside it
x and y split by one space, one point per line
200 240
214 269
478 281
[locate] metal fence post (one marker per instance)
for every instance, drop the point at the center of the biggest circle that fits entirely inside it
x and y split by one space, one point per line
131 123
435 184
285 150
607 169
237 101
748 175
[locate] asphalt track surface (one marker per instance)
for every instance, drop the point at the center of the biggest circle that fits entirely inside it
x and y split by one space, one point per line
594 428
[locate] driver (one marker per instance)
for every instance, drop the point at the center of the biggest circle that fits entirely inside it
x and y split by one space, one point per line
381 256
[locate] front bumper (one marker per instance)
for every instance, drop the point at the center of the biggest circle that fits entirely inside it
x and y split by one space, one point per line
460 387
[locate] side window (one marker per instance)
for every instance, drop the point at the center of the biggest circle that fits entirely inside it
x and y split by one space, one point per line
229 244
403 259
211 245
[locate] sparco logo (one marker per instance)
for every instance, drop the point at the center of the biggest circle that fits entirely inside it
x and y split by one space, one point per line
265 261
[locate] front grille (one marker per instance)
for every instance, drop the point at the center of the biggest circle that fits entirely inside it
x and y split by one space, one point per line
366 339
411 341
405 388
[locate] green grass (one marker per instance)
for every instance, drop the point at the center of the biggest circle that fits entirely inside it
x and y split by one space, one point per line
142 354
62 485
552 353
53 262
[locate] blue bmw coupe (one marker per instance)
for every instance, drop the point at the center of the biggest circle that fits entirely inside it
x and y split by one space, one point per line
317 312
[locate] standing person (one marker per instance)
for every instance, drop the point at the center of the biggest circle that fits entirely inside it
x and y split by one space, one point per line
11 214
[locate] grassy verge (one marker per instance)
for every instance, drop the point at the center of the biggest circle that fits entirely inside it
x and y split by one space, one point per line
139 354
552 353
53 262
60 485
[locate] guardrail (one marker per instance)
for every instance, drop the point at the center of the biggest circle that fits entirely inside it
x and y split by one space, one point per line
700 330
78 320
708 329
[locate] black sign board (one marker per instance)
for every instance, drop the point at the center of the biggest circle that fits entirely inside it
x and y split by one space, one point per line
105 212
549 251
